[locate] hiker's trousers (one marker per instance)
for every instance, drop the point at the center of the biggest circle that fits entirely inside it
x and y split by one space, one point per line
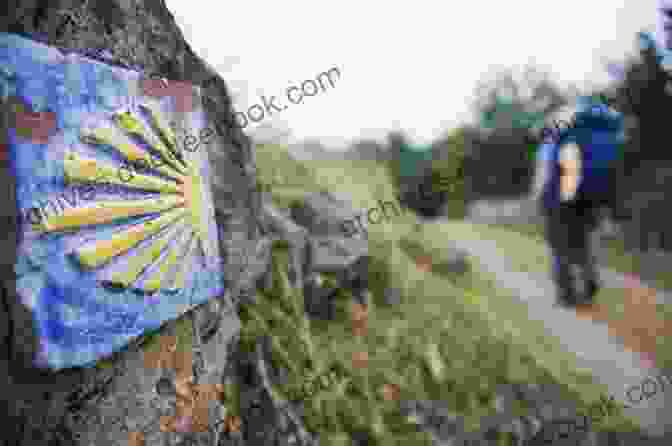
568 233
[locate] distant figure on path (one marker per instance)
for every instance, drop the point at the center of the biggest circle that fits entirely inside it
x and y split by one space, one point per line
575 178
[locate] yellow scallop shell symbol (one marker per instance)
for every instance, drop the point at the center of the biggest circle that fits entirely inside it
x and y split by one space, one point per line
154 252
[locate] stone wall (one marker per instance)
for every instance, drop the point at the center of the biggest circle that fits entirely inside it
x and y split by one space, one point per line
102 405
134 397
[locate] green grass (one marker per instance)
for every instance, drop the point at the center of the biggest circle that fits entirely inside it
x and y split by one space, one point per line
435 345
620 259
452 337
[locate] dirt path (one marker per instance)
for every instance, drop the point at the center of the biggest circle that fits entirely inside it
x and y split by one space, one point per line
619 352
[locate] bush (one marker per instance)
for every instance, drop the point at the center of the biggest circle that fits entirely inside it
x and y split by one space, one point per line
447 175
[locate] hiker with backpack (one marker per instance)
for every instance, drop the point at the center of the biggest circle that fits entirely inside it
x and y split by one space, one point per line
575 180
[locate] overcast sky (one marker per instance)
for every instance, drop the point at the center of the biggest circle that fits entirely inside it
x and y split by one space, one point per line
409 65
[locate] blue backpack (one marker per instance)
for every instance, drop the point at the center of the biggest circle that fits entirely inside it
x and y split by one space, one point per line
598 132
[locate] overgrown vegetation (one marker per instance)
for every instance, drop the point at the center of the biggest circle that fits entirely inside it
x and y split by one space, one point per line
452 338
439 350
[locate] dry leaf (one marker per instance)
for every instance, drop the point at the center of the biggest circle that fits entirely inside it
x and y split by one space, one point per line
232 423
136 439
360 312
391 392
360 359
424 263
167 424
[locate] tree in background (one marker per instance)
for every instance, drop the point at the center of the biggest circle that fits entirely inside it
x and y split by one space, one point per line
493 159
512 114
642 94
415 163
447 173
429 179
